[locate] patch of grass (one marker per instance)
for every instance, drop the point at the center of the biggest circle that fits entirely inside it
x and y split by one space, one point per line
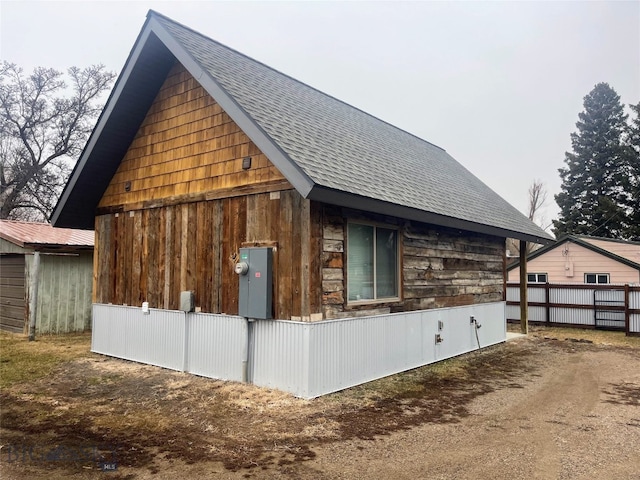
23 361
411 383
598 337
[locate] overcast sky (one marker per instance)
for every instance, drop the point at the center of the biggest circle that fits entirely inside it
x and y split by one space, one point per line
499 85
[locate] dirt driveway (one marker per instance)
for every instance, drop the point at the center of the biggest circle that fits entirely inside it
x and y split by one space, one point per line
550 406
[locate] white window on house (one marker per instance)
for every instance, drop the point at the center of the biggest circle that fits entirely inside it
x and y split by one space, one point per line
537 278
372 263
599 278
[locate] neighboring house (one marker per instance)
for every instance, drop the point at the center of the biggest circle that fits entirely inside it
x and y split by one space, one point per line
64 272
202 151
582 259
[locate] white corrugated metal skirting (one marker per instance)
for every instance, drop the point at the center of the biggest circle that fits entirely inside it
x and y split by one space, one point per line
305 359
634 319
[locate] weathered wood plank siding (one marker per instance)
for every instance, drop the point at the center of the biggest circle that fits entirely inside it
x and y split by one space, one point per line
153 254
12 291
440 267
181 206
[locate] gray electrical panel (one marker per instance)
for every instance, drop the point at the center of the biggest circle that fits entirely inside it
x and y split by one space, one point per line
256 283
187 301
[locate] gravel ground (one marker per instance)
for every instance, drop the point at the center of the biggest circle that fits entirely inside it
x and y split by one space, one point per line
578 417
568 410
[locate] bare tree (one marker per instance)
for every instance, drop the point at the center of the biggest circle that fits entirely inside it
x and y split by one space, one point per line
537 200
43 127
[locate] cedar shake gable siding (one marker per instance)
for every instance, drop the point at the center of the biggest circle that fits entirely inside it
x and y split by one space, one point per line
187 145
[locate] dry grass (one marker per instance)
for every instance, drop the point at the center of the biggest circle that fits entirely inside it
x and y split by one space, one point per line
56 392
21 360
598 337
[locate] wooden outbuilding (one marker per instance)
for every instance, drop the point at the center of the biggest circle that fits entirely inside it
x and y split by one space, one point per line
54 267
202 151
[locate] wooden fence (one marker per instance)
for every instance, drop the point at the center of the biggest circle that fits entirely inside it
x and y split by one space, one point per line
608 307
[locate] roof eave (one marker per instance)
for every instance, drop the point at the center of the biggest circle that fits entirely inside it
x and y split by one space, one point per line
60 216
345 199
578 241
102 122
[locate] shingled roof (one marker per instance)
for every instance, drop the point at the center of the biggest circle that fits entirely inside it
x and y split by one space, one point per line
328 150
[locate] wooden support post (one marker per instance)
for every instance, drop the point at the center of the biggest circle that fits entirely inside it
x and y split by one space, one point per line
33 295
524 323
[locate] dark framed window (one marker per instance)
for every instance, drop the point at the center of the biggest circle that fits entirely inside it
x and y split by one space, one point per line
597 278
372 263
537 278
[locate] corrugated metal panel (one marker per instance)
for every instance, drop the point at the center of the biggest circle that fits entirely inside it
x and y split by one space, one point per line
125 332
312 359
216 346
306 359
634 300
513 294
534 294
634 319
572 296
535 314
281 355
573 316
32 233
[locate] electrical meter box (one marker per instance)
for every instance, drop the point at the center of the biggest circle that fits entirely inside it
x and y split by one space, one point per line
256 283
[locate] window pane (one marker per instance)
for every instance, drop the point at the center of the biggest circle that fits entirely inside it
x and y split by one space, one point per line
542 278
603 279
590 278
531 277
360 262
386 263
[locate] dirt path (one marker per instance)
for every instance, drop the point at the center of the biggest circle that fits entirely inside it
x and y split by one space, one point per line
561 425
537 408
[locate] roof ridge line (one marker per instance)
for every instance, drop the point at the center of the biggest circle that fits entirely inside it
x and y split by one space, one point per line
155 13
605 239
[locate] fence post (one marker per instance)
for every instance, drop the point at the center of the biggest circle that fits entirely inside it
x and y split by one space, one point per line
547 308
627 313
33 295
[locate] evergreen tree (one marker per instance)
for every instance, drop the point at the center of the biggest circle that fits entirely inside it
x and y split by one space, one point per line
633 146
595 183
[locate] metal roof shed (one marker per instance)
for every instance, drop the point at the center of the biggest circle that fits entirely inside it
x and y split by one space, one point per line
64 274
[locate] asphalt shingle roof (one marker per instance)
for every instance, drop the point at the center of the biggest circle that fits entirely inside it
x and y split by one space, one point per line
343 148
329 150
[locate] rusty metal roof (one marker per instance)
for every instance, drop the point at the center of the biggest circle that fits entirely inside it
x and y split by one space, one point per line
32 234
